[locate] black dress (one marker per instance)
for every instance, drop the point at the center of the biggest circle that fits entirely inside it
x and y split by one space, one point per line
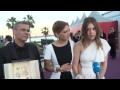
63 55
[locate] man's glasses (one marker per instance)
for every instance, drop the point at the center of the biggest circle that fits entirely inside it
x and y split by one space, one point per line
24 30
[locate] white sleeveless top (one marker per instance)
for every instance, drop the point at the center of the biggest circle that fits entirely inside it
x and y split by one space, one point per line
91 54
50 55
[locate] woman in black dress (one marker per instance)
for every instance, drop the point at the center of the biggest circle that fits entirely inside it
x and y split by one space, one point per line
59 54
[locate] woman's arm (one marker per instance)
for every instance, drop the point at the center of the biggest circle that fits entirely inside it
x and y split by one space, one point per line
79 68
50 68
47 58
103 67
76 60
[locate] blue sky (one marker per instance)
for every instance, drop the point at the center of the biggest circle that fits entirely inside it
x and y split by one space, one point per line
42 18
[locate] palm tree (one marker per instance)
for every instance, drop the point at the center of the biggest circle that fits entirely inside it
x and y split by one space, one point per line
45 31
10 23
31 22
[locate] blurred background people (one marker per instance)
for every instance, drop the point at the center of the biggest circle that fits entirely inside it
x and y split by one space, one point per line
102 34
8 40
77 36
112 42
1 39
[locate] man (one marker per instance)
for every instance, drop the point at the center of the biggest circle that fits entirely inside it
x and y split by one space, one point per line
19 50
8 40
112 42
77 36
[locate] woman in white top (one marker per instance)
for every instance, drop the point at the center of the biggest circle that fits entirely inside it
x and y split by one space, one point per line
90 49
58 55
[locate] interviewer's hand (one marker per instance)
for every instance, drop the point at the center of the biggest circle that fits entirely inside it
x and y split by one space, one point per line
65 67
79 76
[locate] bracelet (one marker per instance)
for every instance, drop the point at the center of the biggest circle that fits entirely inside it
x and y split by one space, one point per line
55 69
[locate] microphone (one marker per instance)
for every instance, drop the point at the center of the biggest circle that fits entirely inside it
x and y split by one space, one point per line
96 69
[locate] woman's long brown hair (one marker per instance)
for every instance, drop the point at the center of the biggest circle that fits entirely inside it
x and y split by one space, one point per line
86 22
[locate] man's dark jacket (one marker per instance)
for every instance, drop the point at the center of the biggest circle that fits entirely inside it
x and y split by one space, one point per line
8 54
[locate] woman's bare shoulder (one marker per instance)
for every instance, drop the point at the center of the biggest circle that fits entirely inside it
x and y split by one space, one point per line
78 44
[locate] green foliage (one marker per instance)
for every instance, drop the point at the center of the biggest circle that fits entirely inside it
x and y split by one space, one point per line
10 22
45 30
9 25
30 20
